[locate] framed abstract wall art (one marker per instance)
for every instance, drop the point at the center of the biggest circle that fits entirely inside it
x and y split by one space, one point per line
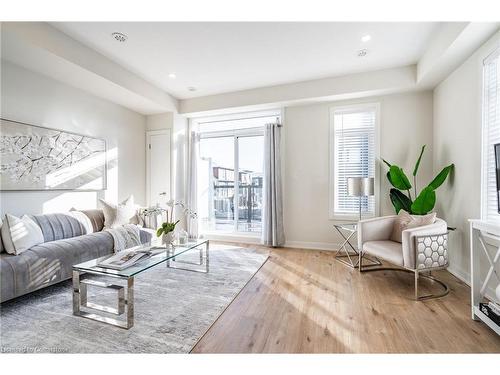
38 158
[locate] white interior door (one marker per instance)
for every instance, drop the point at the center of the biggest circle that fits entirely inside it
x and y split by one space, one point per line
158 166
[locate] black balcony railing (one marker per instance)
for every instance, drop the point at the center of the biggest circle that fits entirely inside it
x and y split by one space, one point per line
249 205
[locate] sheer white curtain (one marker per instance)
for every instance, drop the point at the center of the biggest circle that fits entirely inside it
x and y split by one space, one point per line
192 183
272 219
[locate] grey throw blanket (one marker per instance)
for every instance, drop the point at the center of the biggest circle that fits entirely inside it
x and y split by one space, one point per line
125 237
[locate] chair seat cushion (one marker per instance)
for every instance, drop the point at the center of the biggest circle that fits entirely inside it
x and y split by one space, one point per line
387 250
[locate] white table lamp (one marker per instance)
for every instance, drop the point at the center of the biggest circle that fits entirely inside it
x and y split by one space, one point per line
360 187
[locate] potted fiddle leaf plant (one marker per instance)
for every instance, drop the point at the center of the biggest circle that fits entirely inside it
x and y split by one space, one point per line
401 193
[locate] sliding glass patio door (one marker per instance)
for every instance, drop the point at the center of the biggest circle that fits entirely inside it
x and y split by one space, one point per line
231 171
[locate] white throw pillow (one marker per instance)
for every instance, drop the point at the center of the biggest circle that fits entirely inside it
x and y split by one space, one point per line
83 219
407 221
116 215
20 234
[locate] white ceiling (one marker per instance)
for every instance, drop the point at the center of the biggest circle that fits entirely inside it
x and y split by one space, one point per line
224 57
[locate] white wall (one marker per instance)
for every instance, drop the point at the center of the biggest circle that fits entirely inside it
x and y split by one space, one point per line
159 121
406 124
457 139
35 99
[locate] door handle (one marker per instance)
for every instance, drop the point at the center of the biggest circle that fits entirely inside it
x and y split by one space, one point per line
163 193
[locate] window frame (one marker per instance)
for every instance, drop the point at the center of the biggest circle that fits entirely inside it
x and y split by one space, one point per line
493 54
332 215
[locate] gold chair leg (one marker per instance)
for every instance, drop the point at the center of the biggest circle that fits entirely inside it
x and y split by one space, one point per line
417 276
416 285
445 291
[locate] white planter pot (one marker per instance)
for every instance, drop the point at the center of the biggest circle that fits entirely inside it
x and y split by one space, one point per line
167 238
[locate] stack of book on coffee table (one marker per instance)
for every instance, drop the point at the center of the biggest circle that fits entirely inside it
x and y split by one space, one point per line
128 258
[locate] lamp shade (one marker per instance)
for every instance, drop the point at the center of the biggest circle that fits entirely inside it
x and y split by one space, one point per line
360 186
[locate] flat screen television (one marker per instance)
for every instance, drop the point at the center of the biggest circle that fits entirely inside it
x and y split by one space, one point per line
497 170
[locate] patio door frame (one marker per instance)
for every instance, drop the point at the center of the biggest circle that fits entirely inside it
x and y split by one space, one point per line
235 134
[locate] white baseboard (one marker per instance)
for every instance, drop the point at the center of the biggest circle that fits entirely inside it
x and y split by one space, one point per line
459 274
233 238
329 246
465 277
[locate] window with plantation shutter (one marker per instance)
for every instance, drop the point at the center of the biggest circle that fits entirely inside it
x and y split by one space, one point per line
491 134
353 140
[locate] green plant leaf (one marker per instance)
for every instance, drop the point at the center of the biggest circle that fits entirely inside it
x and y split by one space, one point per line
398 178
424 202
387 163
400 201
415 170
441 177
389 177
159 232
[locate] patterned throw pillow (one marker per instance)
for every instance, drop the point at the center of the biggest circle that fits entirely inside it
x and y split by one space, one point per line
116 215
407 221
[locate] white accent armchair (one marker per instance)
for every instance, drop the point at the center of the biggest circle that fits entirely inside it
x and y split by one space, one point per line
422 249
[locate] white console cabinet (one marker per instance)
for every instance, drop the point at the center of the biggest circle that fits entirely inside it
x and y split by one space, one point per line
484 243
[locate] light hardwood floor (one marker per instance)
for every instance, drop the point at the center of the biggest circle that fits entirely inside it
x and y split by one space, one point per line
303 301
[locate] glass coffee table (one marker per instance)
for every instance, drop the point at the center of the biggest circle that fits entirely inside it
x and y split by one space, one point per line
125 295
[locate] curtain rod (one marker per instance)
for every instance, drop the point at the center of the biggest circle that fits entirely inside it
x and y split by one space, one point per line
242 118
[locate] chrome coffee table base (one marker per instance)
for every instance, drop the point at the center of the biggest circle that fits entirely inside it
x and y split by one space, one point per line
124 309
203 261
80 300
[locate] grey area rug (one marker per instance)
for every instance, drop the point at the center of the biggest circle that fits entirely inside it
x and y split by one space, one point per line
173 309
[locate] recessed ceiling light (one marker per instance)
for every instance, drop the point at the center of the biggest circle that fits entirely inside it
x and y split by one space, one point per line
172 76
362 52
191 88
366 38
120 37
